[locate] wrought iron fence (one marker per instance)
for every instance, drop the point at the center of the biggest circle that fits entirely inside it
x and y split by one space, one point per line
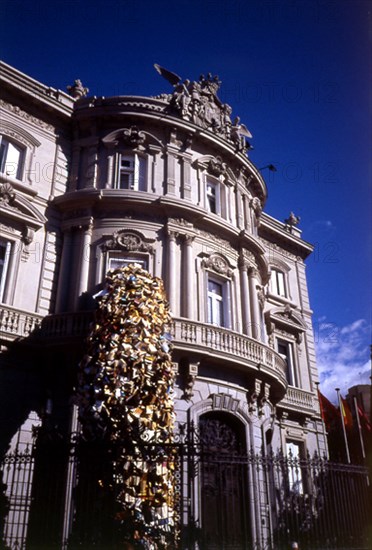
62 494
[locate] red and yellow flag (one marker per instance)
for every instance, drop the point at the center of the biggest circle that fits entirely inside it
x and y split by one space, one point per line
329 412
346 413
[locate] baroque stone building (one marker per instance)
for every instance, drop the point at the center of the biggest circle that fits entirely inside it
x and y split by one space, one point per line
88 184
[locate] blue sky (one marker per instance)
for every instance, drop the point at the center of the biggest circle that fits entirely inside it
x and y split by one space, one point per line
297 72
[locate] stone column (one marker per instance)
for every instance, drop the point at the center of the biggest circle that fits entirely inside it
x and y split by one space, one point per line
189 278
243 269
84 264
64 271
171 270
255 307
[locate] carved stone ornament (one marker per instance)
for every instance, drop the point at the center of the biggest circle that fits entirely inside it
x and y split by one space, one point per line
28 235
216 167
261 297
133 136
256 206
197 102
77 90
128 241
218 264
224 401
7 194
26 116
292 220
190 377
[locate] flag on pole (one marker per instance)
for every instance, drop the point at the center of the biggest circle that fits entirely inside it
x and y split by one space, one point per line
346 413
329 412
364 420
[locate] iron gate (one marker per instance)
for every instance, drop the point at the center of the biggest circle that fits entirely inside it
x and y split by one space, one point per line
61 494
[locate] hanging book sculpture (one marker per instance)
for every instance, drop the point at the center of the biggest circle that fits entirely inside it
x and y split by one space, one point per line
126 398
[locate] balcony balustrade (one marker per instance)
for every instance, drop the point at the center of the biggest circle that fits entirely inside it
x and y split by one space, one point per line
16 323
190 336
298 399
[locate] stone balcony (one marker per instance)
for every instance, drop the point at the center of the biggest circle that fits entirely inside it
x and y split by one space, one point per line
299 400
18 324
190 337
229 346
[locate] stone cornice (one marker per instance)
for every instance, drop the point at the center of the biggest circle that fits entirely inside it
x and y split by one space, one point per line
271 229
56 100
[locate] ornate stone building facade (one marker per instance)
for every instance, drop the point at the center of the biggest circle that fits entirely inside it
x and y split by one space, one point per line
88 184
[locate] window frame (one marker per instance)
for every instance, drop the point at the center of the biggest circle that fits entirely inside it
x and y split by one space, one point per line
137 180
224 300
277 277
5 142
216 185
292 374
5 266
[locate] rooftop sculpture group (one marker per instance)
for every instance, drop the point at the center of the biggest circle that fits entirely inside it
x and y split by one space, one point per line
197 102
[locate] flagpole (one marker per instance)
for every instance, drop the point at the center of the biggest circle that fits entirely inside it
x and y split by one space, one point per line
325 441
343 425
359 427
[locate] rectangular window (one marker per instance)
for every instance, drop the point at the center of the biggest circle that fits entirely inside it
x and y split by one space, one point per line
285 350
5 248
215 303
277 283
11 157
213 197
131 173
218 298
295 474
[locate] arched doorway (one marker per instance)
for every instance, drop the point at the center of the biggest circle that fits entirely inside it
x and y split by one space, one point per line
224 504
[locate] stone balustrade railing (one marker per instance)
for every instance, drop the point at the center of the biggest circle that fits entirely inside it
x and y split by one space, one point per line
16 323
298 398
189 335
224 342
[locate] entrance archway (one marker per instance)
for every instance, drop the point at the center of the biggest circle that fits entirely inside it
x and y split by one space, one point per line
224 503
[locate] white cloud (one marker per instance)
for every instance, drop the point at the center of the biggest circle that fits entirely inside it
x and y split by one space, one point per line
342 356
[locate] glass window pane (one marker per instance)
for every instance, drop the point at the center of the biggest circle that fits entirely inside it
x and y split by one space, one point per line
10 158
142 165
5 248
281 287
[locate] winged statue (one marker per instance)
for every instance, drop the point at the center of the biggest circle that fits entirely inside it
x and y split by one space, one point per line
172 78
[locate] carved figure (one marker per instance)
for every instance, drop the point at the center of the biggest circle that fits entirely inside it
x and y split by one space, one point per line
197 101
77 90
238 133
292 220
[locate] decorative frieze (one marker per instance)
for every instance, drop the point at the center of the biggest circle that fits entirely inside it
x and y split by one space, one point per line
129 241
218 264
26 116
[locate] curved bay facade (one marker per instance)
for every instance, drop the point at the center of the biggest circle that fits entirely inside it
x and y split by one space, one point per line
90 184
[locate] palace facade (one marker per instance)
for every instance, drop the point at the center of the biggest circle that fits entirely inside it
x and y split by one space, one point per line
88 184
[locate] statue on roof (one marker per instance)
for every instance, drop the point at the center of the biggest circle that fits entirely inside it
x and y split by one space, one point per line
77 90
197 102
